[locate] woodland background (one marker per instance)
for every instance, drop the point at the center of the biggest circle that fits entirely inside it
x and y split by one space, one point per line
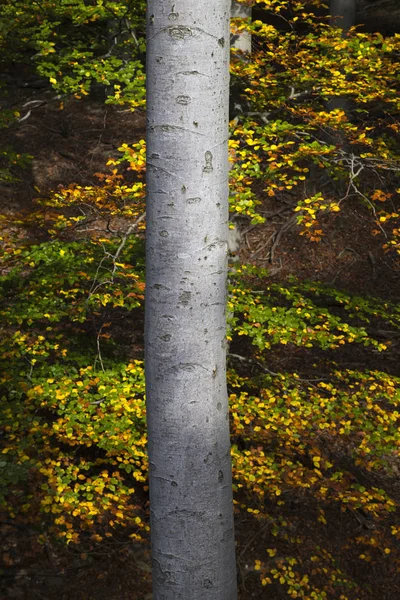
314 319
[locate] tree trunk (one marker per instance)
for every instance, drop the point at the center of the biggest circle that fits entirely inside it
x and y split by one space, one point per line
191 515
343 16
241 41
343 13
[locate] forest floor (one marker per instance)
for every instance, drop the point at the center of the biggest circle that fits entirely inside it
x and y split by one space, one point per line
70 146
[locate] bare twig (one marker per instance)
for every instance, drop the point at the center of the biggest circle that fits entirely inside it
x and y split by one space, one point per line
285 227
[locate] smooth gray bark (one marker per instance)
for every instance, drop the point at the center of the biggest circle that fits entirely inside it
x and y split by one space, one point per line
241 41
191 514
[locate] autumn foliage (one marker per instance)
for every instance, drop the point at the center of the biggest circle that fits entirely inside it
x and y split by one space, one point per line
315 441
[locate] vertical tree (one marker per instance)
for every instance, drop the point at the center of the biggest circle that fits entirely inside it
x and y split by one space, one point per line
187 174
343 13
343 16
241 40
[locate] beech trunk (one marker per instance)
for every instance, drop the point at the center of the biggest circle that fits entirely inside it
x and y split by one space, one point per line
191 515
242 40
343 13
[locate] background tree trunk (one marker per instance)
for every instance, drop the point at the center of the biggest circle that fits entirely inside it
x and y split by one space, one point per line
343 13
186 256
241 41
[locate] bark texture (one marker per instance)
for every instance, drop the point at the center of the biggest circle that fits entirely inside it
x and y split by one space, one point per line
187 213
